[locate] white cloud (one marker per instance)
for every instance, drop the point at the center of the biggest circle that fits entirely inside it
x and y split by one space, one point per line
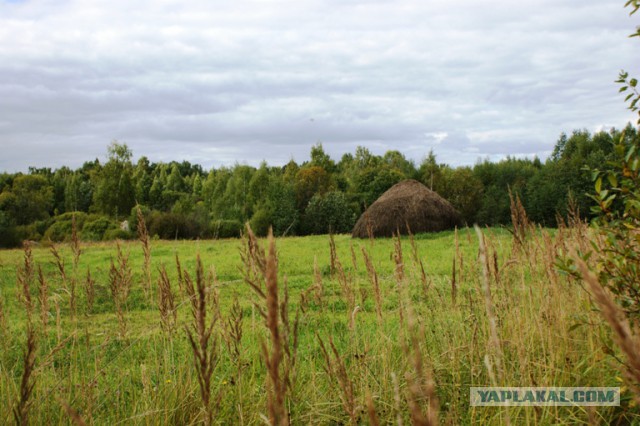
250 80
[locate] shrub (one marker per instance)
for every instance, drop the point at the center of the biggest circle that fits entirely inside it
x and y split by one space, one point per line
59 231
169 226
8 233
261 221
617 197
118 234
59 228
94 229
328 213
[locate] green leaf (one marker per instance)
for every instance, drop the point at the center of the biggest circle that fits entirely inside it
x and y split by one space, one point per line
599 184
631 151
623 89
613 180
633 82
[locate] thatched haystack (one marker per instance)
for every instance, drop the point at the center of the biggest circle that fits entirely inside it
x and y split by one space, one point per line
408 202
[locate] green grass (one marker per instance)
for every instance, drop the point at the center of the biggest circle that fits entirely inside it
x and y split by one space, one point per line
548 331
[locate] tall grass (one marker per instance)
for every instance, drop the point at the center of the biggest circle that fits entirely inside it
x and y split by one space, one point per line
289 334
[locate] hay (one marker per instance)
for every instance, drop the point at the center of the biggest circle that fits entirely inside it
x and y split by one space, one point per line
407 203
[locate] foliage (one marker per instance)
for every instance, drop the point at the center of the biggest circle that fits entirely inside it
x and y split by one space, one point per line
329 213
617 210
280 196
176 226
114 190
95 228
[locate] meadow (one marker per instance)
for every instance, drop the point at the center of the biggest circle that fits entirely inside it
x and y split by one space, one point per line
321 330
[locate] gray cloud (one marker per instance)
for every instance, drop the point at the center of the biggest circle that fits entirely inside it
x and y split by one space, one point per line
217 82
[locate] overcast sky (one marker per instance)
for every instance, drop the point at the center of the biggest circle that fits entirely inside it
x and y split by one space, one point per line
218 82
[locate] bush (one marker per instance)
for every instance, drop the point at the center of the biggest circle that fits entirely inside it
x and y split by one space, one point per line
94 229
260 222
328 213
226 228
617 197
60 228
59 231
8 234
118 234
169 226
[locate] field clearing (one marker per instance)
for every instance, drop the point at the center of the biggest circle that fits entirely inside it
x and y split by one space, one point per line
411 354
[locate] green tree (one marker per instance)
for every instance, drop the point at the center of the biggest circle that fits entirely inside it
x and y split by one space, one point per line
115 193
310 181
463 190
322 159
30 199
429 172
328 213
175 182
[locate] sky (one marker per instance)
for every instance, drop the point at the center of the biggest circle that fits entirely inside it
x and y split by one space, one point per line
224 82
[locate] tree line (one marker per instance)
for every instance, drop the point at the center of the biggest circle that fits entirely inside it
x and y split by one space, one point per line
182 200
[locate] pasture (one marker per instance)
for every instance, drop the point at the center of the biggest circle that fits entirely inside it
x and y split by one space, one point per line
385 331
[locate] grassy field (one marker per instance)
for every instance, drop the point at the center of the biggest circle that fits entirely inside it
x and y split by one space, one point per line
399 339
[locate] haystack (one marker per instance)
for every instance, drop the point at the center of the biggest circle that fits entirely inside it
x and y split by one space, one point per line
407 203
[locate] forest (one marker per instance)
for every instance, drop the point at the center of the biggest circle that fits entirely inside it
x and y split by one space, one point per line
181 200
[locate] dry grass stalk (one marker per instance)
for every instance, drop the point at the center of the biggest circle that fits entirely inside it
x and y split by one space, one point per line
399 274
166 303
290 334
420 385
90 291
73 415
346 286
397 400
276 384
373 279
280 358
204 345
550 253
494 340
369 226
352 321
56 303
354 260
317 283
398 259
24 279
43 298
233 331
75 242
454 289
371 411
120 280
332 254
520 221
143 237
417 261
47 360
336 369
180 276
69 285
21 410
254 261
625 338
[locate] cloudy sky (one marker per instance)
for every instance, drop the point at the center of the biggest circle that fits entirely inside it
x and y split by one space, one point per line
218 82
